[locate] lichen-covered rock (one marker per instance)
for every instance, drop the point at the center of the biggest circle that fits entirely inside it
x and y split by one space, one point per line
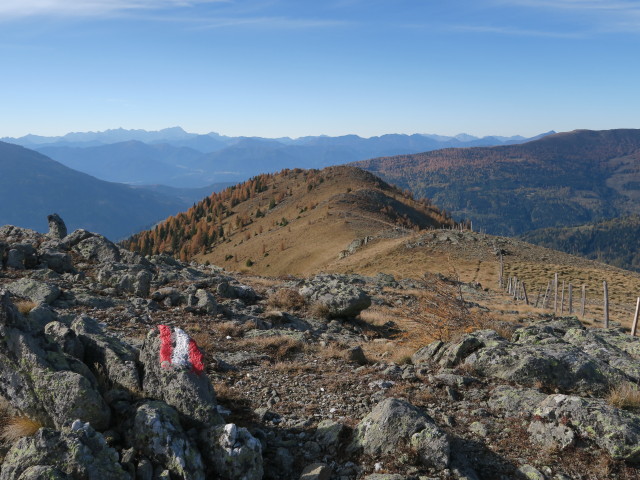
134 279
80 454
232 452
34 290
340 297
94 247
394 422
66 338
21 256
59 262
515 402
617 431
117 357
156 433
186 389
57 227
40 380
243 292
204 302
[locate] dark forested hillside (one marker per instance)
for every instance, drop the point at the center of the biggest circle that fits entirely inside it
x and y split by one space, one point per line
616 242
33 186
560 180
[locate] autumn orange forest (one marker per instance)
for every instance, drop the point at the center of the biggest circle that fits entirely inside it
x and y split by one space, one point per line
213 220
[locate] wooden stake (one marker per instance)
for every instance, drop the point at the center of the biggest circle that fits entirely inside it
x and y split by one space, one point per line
538 296
635 319
500 279
570 299
606 304
524 292
555 295
545 302
584 300
562 299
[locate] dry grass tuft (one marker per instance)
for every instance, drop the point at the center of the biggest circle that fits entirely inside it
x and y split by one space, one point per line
287 299
625 396
320 310
25 306
16 427
233 329
278 347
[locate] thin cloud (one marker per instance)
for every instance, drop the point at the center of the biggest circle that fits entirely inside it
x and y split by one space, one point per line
513 31
601 15
74 8
270 22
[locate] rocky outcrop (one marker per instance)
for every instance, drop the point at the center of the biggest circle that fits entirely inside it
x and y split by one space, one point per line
74 453
336 294
178 384
557 353
57 227
394 423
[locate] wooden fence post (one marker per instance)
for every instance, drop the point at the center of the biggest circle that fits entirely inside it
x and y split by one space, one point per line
562 299
545 302
501 277
570 299
583 300
555 296
635 319
538 296
524 292
606 304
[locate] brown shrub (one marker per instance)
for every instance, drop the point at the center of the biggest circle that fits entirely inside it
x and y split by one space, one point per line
320 310
279 347
287 299
25 306
18 426
625 396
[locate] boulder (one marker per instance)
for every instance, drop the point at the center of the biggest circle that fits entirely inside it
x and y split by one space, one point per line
95 247
316 471
395 422
66 338
117 358
232 452
57 228
155 432
616 431
175 379
40 380
243 292
59 262
135 279
34 290
335 293
21 256
79 453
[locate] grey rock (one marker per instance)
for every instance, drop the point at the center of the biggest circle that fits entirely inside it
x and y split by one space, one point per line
34 290
156 433
41 315
59 262
21 256
40 472
386 476
70 454
116 358
135 279
40 380
205 302
57 227
192 395
66 338
356 354
515 402
95 247
616 431
530 473
551 435
232 452
329 435
340 297
394 422
92 301
316 471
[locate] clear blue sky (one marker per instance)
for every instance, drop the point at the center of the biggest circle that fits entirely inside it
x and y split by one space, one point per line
291 68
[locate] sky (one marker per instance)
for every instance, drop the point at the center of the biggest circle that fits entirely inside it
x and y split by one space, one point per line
275 68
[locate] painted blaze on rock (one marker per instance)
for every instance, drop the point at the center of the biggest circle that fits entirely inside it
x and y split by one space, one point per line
174 372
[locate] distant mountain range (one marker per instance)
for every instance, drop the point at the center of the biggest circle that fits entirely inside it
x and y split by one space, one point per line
560 180
176 158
